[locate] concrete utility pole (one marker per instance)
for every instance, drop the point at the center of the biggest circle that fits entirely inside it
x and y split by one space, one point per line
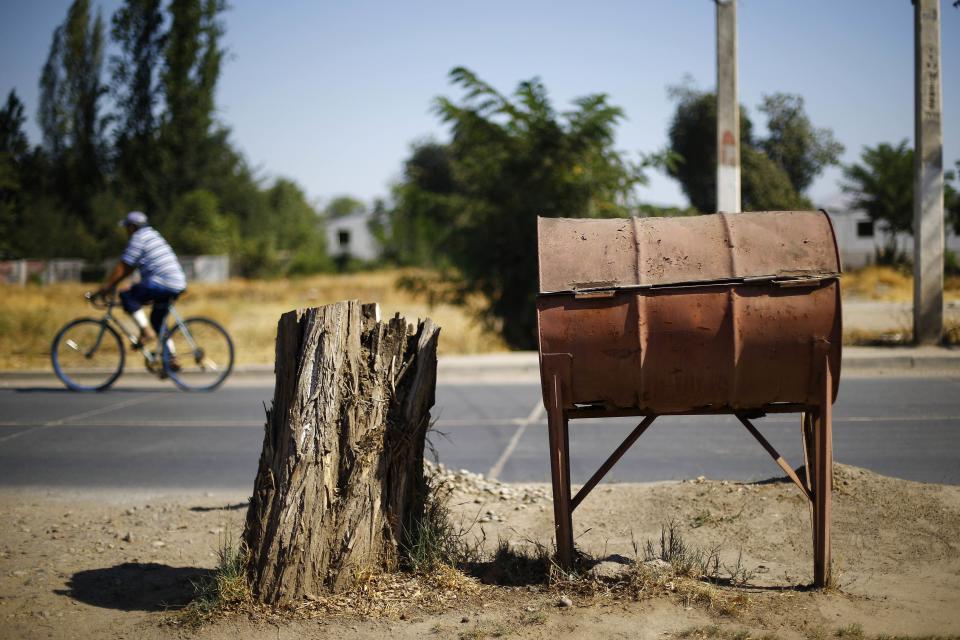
728 112
928 176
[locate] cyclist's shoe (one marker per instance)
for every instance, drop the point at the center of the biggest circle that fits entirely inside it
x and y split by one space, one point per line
151 362
146 336
161 371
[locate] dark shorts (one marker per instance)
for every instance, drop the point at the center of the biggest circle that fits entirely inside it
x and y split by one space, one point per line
140 294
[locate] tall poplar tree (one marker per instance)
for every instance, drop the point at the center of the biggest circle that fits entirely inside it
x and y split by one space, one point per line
192 61
13 151
52 110
69 112
138 32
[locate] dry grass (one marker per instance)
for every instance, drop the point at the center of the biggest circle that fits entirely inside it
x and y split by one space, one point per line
512 574
901 336
688 575
715 632
889 284
30 316
854 631
374 595
433 581
849 632
249 309
436 542
643 582
224 590
878 283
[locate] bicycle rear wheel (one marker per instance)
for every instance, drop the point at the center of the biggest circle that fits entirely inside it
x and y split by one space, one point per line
87 355
198 355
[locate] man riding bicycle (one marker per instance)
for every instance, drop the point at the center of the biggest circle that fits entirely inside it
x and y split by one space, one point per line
161 276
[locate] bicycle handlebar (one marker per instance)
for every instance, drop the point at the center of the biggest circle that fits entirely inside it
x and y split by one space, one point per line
101 302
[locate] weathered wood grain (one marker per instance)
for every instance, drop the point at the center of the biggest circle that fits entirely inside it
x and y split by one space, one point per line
340 479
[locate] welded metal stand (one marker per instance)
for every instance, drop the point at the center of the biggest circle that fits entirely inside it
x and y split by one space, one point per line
816 428
560 472
822 476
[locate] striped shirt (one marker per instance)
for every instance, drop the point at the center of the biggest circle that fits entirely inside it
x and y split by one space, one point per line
158 265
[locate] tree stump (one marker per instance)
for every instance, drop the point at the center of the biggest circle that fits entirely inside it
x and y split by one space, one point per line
340 482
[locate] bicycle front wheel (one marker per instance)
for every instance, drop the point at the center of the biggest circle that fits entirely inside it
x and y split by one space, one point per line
198 355
87 355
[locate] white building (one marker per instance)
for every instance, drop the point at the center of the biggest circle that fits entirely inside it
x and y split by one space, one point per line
206 268
350 236
859 238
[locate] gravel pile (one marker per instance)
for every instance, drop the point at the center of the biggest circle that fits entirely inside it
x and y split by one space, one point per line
468 483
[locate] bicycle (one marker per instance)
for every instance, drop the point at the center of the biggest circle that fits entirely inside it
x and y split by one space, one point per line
88 353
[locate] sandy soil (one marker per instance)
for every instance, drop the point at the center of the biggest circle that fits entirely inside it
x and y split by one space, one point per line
113 566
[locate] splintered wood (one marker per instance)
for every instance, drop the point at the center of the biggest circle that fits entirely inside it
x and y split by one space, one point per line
340 481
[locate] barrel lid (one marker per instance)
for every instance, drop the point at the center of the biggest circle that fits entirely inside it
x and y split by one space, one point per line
584 254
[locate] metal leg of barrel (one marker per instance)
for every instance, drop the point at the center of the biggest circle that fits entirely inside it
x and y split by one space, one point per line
560 471
822 477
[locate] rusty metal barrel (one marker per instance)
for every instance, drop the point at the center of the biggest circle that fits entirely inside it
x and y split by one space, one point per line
722 312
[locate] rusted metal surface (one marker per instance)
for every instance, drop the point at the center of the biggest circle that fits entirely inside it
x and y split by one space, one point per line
734 314
724 340
670 350
822 482
580 254
558 435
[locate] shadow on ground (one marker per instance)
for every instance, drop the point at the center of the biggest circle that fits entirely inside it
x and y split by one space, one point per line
511 567
135 586
230 507
104 392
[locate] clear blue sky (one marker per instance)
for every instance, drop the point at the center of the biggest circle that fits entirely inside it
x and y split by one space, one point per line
332 94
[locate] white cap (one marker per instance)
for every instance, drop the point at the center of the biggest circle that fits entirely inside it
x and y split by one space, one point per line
134 219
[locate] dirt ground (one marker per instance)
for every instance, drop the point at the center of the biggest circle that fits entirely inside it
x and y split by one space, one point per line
119 566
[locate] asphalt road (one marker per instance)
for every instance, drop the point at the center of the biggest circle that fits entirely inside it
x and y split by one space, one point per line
158 439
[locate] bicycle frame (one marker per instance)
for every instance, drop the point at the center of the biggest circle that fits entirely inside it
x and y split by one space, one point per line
153 358
171 311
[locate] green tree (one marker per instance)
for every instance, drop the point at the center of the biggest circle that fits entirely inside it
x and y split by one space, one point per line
424 211
511 159
299 228
270 229
192 61
281 232
169 155
32 220
774 170
765 186
13 141
693 145
793 143
69 111
343 206
882 186
138 32
196 226
951 198
13 151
